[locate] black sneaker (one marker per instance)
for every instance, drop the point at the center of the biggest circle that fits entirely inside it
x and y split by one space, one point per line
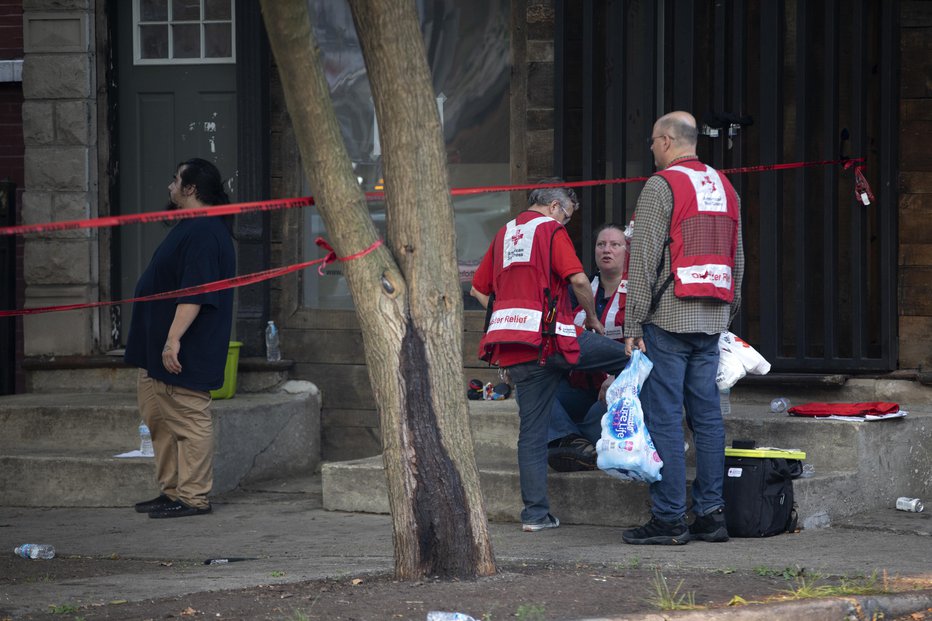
658 532
152 505
178 509
571 454
709 527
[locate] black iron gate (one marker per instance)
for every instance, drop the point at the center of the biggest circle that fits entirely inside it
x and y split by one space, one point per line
7 289
769 81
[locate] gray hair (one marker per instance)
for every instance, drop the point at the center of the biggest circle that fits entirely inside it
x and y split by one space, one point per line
677 128
545 196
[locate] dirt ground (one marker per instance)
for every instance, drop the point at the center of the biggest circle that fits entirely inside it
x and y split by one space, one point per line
522 591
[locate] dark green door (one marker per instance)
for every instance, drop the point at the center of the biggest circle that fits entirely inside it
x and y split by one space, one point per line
176 83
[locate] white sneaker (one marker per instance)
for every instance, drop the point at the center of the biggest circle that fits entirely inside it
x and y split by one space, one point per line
550 522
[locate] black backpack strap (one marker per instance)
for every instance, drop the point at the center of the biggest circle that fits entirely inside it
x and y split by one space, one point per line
488 312
655 300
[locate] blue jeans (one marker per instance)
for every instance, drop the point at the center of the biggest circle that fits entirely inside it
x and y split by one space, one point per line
535 387
683 376
576 411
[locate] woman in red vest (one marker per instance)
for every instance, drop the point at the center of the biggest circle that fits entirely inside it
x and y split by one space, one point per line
576 415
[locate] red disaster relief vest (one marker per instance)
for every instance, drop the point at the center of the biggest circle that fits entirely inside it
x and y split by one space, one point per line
613 315
613 318
531 306
703 232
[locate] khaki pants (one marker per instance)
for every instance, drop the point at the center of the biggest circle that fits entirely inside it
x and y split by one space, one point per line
182 436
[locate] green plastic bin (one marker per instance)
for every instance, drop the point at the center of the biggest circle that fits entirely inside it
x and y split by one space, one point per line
229 373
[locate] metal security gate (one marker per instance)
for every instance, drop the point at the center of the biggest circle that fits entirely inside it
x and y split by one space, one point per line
770 82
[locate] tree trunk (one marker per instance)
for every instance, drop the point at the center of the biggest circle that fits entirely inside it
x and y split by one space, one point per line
406 292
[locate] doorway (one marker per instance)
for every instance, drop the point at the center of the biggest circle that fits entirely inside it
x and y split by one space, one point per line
176 94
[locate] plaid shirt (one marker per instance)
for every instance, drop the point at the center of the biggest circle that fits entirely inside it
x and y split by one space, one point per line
673 314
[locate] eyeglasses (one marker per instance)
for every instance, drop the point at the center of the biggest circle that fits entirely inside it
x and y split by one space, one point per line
565 213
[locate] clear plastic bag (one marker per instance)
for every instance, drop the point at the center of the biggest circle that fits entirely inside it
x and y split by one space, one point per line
625 449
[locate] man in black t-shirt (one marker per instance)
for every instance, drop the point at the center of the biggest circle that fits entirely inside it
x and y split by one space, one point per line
180 345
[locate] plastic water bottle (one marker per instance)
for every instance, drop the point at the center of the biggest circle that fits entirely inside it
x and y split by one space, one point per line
780 404
273 352
808 471
35 550
437 615
145 441
724 397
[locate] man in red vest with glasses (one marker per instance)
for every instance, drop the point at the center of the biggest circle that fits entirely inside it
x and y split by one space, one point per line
684 288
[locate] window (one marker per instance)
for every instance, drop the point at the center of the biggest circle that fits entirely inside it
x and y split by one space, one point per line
176 32
468 52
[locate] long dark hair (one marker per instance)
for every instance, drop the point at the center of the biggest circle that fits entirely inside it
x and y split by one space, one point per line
206 179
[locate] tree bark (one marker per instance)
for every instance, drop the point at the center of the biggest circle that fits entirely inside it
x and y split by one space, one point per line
406 292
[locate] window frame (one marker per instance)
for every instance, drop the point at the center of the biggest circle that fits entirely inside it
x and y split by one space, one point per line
169 61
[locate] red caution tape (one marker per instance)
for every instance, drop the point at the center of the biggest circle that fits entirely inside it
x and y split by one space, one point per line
158 216
238 208
862 189
219 285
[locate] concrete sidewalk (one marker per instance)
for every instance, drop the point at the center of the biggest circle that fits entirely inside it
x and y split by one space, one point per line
281 524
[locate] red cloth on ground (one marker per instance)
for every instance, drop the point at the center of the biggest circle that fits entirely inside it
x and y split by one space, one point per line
870 408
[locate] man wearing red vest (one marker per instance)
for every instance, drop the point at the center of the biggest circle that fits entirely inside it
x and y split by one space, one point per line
522 281
687 234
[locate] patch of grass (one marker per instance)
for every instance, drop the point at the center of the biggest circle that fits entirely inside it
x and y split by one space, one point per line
277 574
44 578
530 613
787 573
665 599
808 586
63 609
865 585
811 586
297 615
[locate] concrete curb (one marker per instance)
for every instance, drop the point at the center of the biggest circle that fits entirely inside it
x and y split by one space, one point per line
853 608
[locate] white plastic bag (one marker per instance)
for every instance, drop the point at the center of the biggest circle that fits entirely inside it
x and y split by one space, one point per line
736 360
625 449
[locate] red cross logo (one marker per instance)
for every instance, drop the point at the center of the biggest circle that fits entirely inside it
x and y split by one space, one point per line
708 180
518 235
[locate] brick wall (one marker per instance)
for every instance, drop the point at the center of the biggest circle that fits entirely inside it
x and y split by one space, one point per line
11 143
11 29
915 180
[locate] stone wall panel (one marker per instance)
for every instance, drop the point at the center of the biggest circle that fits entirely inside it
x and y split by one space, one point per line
57 76
58 262
63 169
73 123
56 5
38 123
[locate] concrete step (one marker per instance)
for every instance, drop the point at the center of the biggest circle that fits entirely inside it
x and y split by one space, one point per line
64 421
108 373
75 479
575 497
59 449
857 467
829 445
